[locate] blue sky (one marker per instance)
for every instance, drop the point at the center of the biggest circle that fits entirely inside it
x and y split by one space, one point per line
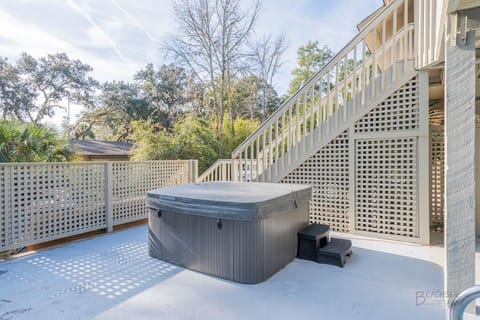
118 37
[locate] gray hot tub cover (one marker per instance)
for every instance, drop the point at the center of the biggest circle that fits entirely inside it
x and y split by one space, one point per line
229 200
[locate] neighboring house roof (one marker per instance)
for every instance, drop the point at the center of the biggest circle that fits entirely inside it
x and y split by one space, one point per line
101 148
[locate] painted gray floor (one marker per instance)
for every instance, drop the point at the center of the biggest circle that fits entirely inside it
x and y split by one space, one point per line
112 277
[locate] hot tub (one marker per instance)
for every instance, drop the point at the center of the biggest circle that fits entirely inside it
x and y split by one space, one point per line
243 232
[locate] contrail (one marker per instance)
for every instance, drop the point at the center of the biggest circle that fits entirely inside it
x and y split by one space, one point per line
85 14
135 21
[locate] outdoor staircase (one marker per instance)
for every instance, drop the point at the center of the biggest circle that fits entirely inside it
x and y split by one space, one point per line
377 62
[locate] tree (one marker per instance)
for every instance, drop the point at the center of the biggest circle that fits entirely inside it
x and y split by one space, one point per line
118 104
266 58
164 88
55 78
22 142
243 129
16 95
311 58
212 43
254 99
192 138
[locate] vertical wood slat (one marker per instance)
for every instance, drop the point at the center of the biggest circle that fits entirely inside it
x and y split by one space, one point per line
364 74
374 63
109 195
393 48
354 81
405 36
257 172
290 137
345 87
384 54
337 94
264 160
312 115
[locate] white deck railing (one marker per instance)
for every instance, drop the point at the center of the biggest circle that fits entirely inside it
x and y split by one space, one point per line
351 77
46 201
221 170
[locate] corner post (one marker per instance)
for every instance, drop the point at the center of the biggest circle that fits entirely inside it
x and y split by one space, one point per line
459 159
423 166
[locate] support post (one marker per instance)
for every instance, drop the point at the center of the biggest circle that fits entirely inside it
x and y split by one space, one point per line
193 171
460 160
423 153
109 196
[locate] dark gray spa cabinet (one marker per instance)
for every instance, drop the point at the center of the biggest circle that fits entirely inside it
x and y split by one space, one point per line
243 232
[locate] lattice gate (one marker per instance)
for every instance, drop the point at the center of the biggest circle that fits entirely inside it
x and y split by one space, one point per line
366 181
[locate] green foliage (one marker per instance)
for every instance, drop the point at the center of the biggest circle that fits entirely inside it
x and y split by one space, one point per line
22 142
253 98
311 58
16 94
164 88
191 138
55 78
242 128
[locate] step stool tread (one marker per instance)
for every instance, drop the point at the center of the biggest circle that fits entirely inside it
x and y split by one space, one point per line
314 231
336 248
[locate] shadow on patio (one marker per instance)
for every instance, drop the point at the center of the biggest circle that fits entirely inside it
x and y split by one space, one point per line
112 277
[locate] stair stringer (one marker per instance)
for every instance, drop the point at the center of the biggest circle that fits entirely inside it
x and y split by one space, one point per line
338 123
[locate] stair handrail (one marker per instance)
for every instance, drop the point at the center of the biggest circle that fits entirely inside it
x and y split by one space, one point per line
462 300
320 74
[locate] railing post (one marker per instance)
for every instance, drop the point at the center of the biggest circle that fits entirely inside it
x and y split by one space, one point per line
193 171
8 194
109 196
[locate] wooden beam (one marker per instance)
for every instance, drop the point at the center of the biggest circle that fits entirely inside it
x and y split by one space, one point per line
460 161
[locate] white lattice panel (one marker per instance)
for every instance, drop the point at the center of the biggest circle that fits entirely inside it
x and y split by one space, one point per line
437 176
132 180
398 112
386 186
327 173
47 201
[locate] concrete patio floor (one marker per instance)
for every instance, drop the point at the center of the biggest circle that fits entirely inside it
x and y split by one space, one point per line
112 277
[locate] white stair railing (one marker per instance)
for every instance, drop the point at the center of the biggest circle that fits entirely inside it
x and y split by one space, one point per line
221 170
352 77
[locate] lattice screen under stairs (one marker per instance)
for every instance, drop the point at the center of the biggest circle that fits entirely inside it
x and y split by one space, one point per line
366 180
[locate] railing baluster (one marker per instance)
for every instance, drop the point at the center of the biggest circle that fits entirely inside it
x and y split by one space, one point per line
290 137
264 159
337 94
384 53
374 64
354 81
345 88
257 171
364 73
394 45
312 114
252 154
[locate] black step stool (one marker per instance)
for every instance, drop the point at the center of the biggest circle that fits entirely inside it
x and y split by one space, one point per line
314 244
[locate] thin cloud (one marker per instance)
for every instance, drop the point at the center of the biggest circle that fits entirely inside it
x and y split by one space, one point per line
135 21
87 16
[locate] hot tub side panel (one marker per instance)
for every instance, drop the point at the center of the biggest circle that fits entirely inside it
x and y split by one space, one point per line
194 242
263 247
